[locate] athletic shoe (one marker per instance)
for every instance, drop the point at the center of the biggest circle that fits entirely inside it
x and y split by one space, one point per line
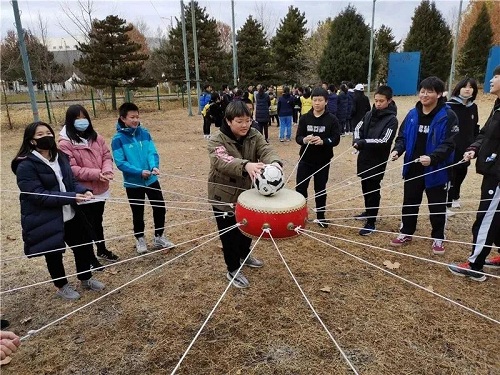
492 262
92 284
282 140
367 229
438 247
362 216
464 270
140 245
67 292
107 255
252 262
400 240
449 212
162 242
455 203
288 139
95 265
240 281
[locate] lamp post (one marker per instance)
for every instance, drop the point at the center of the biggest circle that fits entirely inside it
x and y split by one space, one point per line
454 54
186 62
370 62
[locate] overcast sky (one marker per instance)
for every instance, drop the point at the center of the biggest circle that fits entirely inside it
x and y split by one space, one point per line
395 14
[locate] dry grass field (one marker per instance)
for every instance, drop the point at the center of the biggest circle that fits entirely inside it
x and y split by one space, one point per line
383 324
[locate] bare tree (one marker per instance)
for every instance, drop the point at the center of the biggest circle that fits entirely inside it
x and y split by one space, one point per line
142 26
266 18
80 14
225 36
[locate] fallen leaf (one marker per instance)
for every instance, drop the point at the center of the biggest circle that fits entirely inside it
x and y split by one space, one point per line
111 270
390 265
5 361
79 340
26 320
430 288
11 238
238 372
326 289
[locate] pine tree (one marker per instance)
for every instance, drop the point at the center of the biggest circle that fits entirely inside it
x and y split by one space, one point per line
384 45
348 49
111 59
214 63
287 46
254 55
474 53
430 35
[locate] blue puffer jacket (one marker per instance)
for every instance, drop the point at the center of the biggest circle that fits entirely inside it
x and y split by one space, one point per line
343 106
439 147
41 215
332 103
262 103
204 99
133 152
285 105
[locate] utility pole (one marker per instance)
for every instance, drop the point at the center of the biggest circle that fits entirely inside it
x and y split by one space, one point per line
26 62
454 54
186 62
370 62
195 46
235 52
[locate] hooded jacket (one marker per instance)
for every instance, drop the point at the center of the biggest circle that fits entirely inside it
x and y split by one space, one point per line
487 145
439 145
374 135
42 215
228 178
88 160
327 128
285 105
134 151
360 106
467 123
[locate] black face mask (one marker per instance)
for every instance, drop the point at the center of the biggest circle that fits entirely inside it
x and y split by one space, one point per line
45 143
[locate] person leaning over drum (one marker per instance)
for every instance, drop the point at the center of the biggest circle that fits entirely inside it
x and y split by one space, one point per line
237 153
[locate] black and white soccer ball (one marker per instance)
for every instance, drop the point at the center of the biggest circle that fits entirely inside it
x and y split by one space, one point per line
269 181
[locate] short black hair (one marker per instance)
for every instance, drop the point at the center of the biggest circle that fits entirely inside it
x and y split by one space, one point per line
125 108
432 83
462 84
224 87
319 91
332 88
214 96
350 85
384 90
286 89
496 71
237 109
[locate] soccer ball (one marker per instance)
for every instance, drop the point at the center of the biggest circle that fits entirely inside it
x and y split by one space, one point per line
269 181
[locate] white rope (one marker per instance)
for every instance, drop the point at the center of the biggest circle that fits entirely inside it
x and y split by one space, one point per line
416 214
214 308
405 280
102 267
296 165
397 183
311 306
35 331
111 238
394 252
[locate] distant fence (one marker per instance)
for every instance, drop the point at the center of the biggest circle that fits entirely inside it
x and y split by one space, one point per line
493 61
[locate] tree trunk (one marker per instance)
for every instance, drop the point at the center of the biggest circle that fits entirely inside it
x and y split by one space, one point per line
6 105
113 98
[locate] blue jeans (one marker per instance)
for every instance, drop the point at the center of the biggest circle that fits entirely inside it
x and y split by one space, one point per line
286 127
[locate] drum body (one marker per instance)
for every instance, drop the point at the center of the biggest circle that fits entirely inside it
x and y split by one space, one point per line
281 213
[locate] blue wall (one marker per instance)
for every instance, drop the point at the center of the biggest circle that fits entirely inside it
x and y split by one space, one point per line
404 69
493 61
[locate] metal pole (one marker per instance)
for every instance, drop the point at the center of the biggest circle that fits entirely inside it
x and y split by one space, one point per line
371 51
93 101
158 96
47 104
26 62
195 47
186 62
235 50
454 54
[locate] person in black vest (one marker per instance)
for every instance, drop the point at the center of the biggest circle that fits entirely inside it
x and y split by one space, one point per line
373 138
262 103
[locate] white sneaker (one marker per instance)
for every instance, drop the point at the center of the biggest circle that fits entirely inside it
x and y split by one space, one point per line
67 292
92 284
162 242
455 203
140 245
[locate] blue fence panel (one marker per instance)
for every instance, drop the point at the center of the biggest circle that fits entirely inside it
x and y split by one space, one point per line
493 61
404 69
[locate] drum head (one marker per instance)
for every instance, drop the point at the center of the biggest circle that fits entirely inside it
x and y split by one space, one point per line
285 200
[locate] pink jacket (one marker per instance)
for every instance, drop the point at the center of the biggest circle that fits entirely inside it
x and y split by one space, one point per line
88 161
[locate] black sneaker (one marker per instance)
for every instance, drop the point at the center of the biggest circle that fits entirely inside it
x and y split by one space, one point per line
95 265
361 216
465 270
107 255
367 229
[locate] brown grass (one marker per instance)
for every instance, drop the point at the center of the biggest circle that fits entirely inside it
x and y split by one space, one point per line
385 326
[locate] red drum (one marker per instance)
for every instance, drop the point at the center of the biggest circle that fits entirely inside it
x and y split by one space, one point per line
281 213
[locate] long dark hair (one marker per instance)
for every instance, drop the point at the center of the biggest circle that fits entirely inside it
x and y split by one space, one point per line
72 113
27 146
463 83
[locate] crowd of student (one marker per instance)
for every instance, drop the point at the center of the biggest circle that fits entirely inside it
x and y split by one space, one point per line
64 185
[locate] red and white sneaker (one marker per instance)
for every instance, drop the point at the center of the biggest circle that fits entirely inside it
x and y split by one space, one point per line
438 247
492 262
400 240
